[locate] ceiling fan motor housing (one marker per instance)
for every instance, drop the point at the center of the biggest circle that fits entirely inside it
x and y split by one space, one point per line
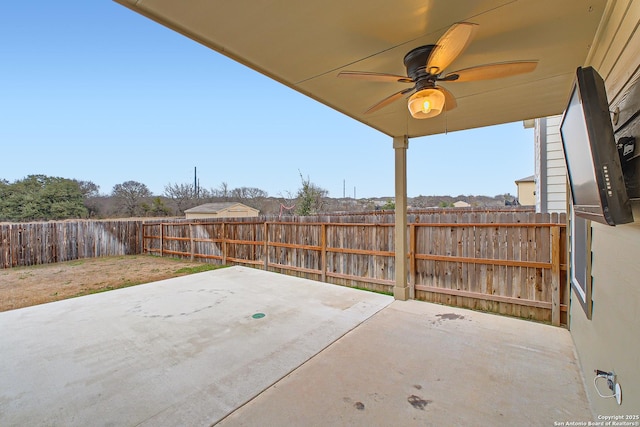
416 63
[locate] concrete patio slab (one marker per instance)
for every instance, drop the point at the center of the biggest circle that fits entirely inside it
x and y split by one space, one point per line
184 351
421 364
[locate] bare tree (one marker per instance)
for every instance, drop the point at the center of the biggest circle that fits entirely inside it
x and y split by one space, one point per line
256 193
244 193
222 191
131 195
88 189
204 194
181 194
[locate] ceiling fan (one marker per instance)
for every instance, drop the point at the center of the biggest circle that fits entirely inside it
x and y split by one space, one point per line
425 66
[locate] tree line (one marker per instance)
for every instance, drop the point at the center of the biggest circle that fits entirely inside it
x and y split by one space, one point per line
42 198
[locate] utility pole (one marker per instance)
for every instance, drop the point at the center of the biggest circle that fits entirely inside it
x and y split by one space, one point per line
195 181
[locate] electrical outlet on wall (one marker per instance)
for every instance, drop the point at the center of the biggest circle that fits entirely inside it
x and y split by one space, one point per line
611 383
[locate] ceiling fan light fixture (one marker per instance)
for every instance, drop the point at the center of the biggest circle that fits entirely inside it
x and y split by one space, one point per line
426 103
425 68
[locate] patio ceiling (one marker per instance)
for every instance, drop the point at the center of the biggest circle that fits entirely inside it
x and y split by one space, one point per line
305 44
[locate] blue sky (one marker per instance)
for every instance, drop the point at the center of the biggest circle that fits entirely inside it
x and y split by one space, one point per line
92 91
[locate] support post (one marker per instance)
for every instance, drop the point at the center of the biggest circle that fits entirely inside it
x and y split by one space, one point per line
401 288
412 261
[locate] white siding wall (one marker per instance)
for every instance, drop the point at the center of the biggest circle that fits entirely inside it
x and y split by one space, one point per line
551 189
556 188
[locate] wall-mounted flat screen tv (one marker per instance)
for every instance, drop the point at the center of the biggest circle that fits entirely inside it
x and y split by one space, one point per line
598 190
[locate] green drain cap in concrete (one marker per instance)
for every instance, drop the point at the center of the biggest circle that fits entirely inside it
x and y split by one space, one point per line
258 315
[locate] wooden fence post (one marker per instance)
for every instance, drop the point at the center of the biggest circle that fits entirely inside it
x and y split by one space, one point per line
323 252
224 244
54 234
555 275
161 240
8 254
191 243
266 246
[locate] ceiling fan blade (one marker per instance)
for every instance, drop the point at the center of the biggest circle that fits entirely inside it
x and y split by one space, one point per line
374 77
388 100
492 71
450 45
449 100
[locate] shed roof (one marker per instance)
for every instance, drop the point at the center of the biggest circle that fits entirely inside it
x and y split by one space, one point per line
216 207
531 178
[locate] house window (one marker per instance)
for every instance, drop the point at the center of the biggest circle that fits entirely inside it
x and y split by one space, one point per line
581 261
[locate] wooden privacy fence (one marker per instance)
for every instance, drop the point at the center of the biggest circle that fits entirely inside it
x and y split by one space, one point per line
505 262
509 267
23 244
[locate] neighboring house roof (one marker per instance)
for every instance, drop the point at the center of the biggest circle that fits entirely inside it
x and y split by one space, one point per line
213 208
461 204
531 178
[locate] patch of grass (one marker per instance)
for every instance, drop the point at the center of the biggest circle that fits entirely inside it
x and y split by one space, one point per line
131 283
93 291
372 290
126 284
199 269
76 263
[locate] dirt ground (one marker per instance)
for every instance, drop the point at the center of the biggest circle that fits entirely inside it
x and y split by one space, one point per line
27 286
